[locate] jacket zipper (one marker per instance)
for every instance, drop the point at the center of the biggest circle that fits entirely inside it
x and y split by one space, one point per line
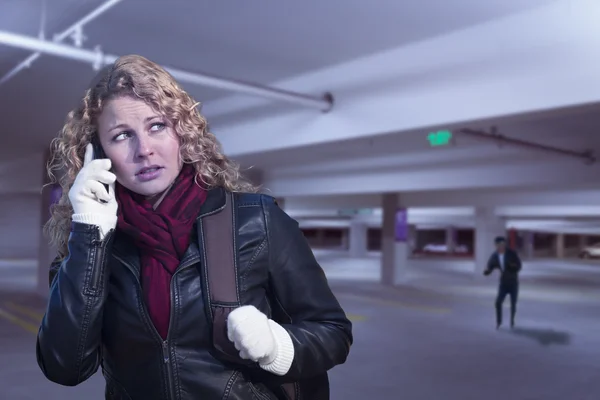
146 317
99 250
167 361
165 343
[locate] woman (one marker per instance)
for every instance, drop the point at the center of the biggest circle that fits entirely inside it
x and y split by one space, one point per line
126 292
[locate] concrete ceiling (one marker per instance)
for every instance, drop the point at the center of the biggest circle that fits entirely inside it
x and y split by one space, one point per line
238 39
255 43
573 129
263 42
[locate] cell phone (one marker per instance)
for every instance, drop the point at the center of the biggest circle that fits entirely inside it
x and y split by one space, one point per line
98 150
99 154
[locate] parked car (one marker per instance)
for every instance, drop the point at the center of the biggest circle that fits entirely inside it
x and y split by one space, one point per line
432 248
592 251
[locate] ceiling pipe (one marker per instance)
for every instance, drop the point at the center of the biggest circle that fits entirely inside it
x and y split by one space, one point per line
74 30
587 156
98 59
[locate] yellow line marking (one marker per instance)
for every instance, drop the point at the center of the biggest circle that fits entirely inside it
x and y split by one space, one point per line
30 312
355 317
398 304
19 322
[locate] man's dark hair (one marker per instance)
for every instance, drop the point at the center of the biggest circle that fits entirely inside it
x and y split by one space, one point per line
499 239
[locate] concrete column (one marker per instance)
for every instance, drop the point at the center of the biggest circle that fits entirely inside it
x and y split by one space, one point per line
559 245
320 239
487 227
412 239
394 246
529 248
358 239
451 239
345 245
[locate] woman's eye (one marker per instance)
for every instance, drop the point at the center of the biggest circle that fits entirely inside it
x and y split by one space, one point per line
121 136
158 126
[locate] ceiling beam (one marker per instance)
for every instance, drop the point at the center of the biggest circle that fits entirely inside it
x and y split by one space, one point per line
525 175
98 59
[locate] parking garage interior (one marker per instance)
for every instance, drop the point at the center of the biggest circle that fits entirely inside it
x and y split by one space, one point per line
467 120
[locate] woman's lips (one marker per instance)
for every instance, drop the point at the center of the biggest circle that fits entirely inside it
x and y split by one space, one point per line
149 173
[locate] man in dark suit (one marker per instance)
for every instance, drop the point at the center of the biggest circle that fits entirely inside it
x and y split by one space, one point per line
509 264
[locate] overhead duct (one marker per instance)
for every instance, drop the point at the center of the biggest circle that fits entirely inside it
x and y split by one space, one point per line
75 32
499 138
98 59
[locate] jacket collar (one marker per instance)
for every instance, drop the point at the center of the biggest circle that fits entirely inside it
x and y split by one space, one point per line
215 201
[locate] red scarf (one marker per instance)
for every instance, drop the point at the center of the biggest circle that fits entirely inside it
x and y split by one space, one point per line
162 236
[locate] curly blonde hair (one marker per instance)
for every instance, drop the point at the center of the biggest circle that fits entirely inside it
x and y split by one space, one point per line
140 78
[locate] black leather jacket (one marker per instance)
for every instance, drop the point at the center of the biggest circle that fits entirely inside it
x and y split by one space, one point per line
96 315
512 266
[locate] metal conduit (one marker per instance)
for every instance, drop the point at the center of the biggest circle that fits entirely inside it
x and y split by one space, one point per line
587 156
98 59
72 30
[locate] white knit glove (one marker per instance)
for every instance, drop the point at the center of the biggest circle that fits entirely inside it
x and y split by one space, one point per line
88 191
260 339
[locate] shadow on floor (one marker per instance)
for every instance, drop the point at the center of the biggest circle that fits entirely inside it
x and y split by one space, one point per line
545 337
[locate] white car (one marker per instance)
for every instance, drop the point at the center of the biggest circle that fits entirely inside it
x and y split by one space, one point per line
592 251
442 248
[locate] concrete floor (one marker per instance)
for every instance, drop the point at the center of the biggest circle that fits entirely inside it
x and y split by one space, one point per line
433 338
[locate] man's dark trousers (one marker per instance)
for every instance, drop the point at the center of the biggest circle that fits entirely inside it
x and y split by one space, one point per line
510 288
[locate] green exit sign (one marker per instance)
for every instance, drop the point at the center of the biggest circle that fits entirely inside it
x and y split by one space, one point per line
439 138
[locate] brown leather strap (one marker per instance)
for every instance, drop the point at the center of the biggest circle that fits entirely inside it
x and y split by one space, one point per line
220 277
218 230
290 391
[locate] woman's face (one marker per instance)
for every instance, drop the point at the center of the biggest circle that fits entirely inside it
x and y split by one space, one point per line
142 145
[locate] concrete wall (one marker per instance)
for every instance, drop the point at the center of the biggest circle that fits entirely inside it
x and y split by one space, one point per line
20 225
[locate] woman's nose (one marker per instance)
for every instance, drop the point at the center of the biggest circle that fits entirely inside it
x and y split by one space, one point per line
144 148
